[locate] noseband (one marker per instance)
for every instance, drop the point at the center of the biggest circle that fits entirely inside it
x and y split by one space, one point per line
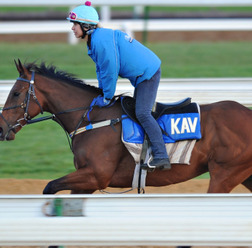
24 105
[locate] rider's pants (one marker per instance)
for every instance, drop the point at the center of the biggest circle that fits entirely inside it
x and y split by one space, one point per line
145 95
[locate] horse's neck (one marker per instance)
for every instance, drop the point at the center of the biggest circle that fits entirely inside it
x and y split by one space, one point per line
61 98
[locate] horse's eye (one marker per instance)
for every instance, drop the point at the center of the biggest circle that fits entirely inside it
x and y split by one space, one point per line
16 93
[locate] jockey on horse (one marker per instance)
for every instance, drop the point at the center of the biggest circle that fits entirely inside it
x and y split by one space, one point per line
116 54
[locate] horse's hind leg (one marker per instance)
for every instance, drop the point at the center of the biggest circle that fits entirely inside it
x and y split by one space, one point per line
219 182
226 185
248 183
224 178
217 186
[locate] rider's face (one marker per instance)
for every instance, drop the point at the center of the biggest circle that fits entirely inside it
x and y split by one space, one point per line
77 30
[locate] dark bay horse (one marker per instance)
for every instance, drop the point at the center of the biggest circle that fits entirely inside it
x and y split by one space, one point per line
101 159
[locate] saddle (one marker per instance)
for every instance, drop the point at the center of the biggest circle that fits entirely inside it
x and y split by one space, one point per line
178 121
128 106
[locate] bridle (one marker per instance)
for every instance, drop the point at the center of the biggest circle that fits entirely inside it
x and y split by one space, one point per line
24 105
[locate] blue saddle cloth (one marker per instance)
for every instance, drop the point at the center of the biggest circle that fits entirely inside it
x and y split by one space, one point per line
177 126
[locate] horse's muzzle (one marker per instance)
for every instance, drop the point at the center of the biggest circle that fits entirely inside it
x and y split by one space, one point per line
10 135
1 134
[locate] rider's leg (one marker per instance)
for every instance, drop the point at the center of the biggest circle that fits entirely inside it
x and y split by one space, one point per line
145 96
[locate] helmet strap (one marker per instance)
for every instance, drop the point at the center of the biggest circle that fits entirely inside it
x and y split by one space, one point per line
83 31
89 42
86 32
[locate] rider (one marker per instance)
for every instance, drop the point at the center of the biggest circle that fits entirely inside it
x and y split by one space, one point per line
116 54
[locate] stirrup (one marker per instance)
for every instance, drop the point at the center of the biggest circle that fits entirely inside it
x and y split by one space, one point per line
148 167
160 166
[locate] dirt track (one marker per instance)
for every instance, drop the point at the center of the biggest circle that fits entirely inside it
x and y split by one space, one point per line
31 186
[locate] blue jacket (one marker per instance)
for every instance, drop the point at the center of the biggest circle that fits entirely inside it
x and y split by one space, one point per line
116 54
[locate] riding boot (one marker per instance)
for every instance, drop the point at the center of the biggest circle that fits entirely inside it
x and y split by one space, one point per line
160 163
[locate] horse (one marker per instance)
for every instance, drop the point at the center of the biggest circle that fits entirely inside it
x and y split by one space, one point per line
101 159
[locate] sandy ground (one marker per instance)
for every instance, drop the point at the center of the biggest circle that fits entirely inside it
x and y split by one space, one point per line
32 186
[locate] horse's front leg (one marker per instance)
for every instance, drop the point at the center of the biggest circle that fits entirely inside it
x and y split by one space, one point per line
81 181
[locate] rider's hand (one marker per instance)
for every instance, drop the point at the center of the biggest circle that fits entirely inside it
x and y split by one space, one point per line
101 101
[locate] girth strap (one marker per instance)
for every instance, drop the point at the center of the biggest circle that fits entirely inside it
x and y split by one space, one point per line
95 125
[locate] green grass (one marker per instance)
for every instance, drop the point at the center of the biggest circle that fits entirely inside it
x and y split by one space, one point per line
40 151
179 60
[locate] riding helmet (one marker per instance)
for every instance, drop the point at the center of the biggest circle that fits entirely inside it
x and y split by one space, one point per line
84 14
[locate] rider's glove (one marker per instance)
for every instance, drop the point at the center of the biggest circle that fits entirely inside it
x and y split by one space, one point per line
101 101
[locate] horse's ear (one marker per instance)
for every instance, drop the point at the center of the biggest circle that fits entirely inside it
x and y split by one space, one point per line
19 66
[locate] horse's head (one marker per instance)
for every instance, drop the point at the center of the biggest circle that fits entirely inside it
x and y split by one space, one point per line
21 105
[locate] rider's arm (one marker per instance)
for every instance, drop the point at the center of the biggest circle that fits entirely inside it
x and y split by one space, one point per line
107 65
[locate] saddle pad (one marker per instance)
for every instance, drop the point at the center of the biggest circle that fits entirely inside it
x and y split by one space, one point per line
179 126
178 152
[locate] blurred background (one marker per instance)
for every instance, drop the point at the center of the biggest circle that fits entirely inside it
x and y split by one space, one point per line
193 38
205 48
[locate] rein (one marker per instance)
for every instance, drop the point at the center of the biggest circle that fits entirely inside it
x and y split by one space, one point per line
25 105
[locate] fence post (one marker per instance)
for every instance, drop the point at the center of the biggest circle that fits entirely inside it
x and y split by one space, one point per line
105 13
145 28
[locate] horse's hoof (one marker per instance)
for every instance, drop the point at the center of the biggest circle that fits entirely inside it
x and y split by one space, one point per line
48 189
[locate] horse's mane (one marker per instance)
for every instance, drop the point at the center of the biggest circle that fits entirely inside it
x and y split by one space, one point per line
52 72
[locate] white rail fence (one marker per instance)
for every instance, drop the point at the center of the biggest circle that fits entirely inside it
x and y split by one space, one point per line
208 3
201 90
126 220
130 26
